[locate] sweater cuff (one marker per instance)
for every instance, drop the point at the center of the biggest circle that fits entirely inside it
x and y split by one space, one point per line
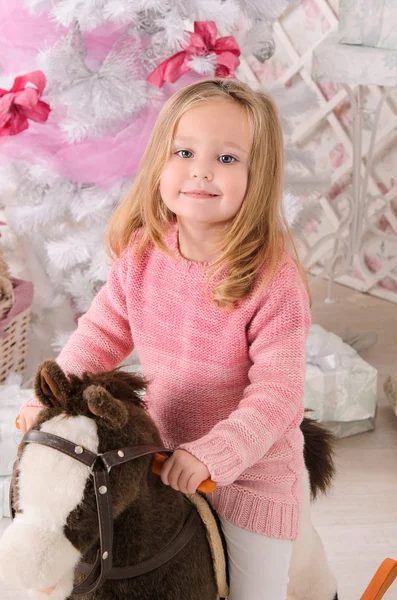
222 461
71 365
35 402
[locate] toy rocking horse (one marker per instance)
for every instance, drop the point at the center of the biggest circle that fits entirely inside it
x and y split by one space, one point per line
92 520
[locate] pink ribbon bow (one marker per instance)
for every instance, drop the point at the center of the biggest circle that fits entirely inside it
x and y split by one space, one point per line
21 103
201 43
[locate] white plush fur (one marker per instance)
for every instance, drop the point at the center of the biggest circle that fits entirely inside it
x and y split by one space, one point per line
33 557
62 590
34 552
309 573
51 484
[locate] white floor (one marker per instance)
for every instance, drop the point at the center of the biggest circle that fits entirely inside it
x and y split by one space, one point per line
358 520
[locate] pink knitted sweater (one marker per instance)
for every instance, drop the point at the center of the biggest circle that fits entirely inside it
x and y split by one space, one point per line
227 386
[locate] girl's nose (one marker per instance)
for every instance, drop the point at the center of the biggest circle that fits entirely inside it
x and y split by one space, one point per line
201 172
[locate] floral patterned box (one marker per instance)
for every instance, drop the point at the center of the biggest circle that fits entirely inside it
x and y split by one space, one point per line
340 386
368 23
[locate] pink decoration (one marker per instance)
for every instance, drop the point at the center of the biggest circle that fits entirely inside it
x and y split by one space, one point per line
328 88
22 103
382 187
201 43
337 155
311 9
23 34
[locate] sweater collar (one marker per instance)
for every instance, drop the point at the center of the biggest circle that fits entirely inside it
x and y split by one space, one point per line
172 241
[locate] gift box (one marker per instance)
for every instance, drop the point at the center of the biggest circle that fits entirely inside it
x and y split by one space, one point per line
353 65
340 386
368 23
5 483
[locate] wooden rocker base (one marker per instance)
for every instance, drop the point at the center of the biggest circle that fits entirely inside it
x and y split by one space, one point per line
381 581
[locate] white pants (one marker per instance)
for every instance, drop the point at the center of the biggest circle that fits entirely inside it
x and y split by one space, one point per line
258 565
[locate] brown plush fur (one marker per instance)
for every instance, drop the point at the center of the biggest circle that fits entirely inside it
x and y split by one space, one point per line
103 405
147 514
318 452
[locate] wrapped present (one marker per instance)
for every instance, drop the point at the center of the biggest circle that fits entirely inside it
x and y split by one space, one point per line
353 65
11 399
340 387
5 483
368 23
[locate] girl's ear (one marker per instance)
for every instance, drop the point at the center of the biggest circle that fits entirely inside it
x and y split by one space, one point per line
102 404
51 385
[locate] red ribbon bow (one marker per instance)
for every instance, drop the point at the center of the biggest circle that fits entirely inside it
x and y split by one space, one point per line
21 103
201 43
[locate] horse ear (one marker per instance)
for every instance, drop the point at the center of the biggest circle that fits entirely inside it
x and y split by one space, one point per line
51 385
102 404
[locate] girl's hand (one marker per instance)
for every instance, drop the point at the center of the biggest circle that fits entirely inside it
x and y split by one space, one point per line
184 472
27 417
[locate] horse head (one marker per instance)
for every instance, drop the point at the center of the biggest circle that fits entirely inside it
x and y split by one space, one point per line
56 516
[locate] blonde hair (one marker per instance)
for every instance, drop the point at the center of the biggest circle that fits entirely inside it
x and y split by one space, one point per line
259 232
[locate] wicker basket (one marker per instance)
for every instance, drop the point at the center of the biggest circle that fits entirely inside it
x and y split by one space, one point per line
14 331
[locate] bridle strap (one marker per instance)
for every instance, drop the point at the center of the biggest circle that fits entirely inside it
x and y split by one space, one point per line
109 459
176 545
103 463
118 457
76 451
105 518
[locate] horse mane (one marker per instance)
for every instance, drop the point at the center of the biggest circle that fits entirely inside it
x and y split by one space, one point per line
124 386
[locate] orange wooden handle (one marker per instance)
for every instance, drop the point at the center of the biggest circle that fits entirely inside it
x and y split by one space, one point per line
206 486
381 581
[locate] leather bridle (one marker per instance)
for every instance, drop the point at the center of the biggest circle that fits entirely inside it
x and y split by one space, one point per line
99 466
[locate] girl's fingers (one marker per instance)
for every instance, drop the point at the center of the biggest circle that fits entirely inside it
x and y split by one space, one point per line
174 475
183 481
192 485
165 469
170 472
178 471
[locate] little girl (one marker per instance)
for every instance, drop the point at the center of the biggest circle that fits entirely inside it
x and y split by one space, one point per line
205 288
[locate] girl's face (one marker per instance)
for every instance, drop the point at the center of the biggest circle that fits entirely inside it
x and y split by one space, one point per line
205 177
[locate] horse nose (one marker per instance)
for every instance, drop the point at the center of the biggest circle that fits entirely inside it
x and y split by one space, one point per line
33 557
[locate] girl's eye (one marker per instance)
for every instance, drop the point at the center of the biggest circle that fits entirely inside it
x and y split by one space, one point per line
228 160
225 159
184 153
